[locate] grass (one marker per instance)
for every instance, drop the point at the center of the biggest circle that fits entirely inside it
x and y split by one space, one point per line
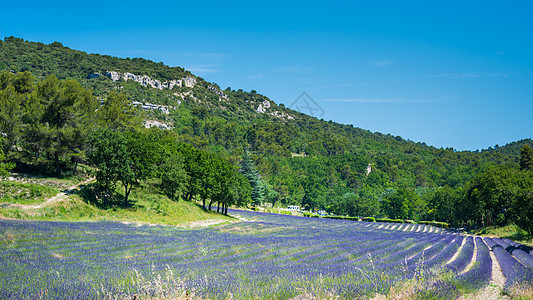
25 193
511 231
146 205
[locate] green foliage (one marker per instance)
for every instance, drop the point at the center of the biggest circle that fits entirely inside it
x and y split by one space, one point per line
526 158
117 113
389 220
4 167
435 223
25 193
341 218
403 204
368 219
107 151
249 171
173 177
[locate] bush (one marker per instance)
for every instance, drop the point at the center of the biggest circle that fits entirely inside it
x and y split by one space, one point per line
342 218
389 220
311 215
435 223
368 219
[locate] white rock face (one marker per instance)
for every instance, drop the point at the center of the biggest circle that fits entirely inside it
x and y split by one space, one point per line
282 115
146 80
218 92
153 123
263 107
189 82
149 106
113 75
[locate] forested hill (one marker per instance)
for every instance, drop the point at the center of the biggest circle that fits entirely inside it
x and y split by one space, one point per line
301 160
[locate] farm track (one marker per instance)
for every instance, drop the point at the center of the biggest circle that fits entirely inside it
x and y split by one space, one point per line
56 198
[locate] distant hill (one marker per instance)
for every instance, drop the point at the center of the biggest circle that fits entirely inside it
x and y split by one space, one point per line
302 160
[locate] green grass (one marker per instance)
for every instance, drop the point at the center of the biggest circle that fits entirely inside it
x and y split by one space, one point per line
511 231
146 205
25 193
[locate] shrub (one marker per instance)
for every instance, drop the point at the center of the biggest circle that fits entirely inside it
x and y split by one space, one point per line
311 215
368 219
342 218
435 223
389 220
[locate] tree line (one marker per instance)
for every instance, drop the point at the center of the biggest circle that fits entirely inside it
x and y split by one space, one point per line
52 125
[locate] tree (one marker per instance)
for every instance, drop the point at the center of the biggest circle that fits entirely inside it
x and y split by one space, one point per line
68 109
524 202
399 204
107 151
117 113
173 177
491 195
4 167
249 170
16 100
526 158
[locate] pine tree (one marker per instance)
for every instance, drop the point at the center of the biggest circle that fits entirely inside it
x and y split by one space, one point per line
526 158
249 171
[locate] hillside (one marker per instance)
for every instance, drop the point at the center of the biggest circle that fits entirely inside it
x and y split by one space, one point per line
301 160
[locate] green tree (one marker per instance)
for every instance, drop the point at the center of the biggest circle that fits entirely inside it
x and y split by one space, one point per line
399 204
526 158
4 167
139 160
249 170
173 177
117 113
523 202
106 150
16 101
62 127
491 195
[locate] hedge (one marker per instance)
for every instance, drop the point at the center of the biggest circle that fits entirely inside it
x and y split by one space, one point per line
341 218
435 223
389 220
368 219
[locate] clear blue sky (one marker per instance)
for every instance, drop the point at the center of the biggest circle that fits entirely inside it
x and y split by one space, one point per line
449 73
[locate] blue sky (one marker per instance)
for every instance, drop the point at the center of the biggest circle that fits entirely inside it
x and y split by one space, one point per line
449 73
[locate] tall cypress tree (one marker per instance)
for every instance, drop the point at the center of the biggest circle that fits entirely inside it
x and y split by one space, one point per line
249 171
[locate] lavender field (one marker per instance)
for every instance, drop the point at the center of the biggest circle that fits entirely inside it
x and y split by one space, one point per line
266 256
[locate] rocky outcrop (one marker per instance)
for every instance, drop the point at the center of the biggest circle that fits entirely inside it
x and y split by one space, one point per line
218 92
187 94
282 115
263 107
190 82
149 106
146 80
153 123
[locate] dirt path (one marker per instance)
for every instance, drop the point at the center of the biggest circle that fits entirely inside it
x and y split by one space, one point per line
55 198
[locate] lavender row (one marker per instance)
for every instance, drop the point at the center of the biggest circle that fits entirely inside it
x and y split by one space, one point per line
464 258
526 249
480 274
514 272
